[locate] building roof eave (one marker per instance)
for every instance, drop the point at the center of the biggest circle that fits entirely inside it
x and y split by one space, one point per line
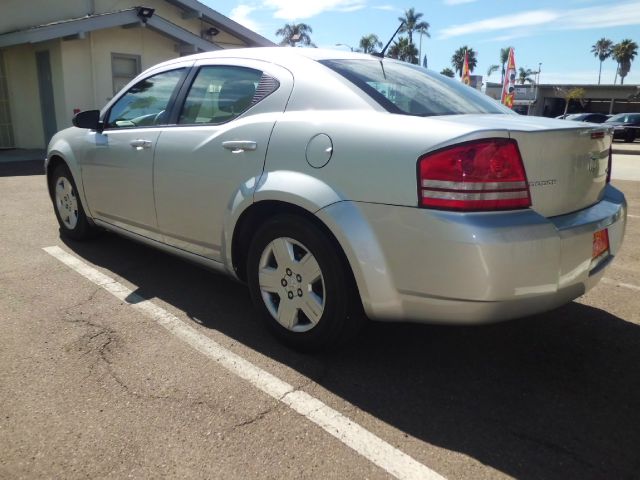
208 14
69 28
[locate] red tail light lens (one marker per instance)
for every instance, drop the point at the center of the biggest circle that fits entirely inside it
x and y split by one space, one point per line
482 175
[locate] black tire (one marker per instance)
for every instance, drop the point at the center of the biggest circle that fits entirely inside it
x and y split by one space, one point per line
630 136
342 315
69 207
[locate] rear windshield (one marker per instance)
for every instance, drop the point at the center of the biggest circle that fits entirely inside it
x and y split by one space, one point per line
411 90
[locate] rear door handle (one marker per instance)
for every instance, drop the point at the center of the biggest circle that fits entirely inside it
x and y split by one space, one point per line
140 144
237 146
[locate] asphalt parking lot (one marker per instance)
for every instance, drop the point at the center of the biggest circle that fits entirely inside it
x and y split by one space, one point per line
93 387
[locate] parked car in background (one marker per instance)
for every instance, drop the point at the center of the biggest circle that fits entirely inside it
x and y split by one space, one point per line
587 117
334 182
626 126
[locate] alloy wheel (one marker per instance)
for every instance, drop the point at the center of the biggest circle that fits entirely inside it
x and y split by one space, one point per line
291 284
66 202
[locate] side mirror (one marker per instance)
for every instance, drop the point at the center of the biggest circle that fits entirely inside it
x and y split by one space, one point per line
89 119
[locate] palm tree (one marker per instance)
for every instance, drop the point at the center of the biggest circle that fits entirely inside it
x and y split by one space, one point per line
491 69
294 33
624 53
403 50
457 59
369 43
411 23
524 75
422 31
504 58
602 50
447 72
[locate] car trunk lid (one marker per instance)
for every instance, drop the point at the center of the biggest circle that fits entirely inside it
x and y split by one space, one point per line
566 162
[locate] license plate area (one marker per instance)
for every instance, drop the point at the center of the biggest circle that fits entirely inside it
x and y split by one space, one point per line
600 248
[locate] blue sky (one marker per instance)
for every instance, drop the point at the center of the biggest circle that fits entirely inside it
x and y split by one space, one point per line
559 34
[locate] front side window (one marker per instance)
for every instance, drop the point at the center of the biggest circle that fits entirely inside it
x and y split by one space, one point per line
146 103
411 90
221 93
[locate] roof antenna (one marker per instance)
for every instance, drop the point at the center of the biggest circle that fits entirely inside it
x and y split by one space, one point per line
381 54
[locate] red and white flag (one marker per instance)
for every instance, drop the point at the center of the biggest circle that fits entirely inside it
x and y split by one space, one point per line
509 85
466 77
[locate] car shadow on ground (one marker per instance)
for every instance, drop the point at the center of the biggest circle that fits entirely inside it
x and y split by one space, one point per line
554 396
22 168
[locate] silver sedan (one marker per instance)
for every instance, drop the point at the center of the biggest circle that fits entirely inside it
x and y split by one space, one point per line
342 186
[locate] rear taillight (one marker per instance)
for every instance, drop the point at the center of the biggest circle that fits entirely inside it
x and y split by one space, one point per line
481 175
610 163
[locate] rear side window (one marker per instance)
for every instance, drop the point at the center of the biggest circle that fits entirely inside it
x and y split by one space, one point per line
221 93
146 103
411 90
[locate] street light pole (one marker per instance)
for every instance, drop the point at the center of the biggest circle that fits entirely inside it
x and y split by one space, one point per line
344 45
535 100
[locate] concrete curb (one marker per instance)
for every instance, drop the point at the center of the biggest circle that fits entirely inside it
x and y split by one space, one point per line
22 155
625 151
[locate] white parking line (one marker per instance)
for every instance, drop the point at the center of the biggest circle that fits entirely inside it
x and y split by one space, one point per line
630 286
373 448
632 216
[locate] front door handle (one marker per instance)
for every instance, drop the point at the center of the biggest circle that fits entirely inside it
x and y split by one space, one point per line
237 146
140 144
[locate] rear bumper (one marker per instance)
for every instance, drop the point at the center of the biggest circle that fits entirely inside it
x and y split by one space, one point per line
432 266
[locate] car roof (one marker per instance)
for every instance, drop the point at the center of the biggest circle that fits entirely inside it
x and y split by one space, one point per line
280 55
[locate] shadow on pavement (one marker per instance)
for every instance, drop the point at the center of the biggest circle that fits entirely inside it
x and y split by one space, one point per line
554 396
22 168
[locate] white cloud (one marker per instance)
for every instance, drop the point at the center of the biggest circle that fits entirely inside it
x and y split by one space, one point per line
533 17
627 13
457 2
601 17
386 7
241 14
296 9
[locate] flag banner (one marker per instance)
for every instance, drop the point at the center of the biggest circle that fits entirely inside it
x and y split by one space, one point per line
509 85
466 78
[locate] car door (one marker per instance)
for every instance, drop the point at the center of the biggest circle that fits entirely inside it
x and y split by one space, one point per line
217 148
117 170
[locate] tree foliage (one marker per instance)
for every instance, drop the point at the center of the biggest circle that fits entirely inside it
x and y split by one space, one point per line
447 72
412 23
295 33
504 58
525 76
602 49
370 43
624 53
403 50
457 59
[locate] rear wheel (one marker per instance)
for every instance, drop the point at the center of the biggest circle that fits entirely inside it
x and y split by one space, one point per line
300 285
66 203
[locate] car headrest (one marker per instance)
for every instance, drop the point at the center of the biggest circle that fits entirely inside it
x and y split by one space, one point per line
236 95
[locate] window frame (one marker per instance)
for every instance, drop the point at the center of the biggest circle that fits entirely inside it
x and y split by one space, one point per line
171 104
127 56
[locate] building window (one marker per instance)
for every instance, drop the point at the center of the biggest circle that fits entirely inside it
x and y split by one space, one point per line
124 68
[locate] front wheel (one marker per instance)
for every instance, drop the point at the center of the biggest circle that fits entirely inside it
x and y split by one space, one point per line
301 286
66 203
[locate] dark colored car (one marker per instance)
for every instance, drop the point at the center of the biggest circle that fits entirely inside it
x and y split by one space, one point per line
626 126
588 117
